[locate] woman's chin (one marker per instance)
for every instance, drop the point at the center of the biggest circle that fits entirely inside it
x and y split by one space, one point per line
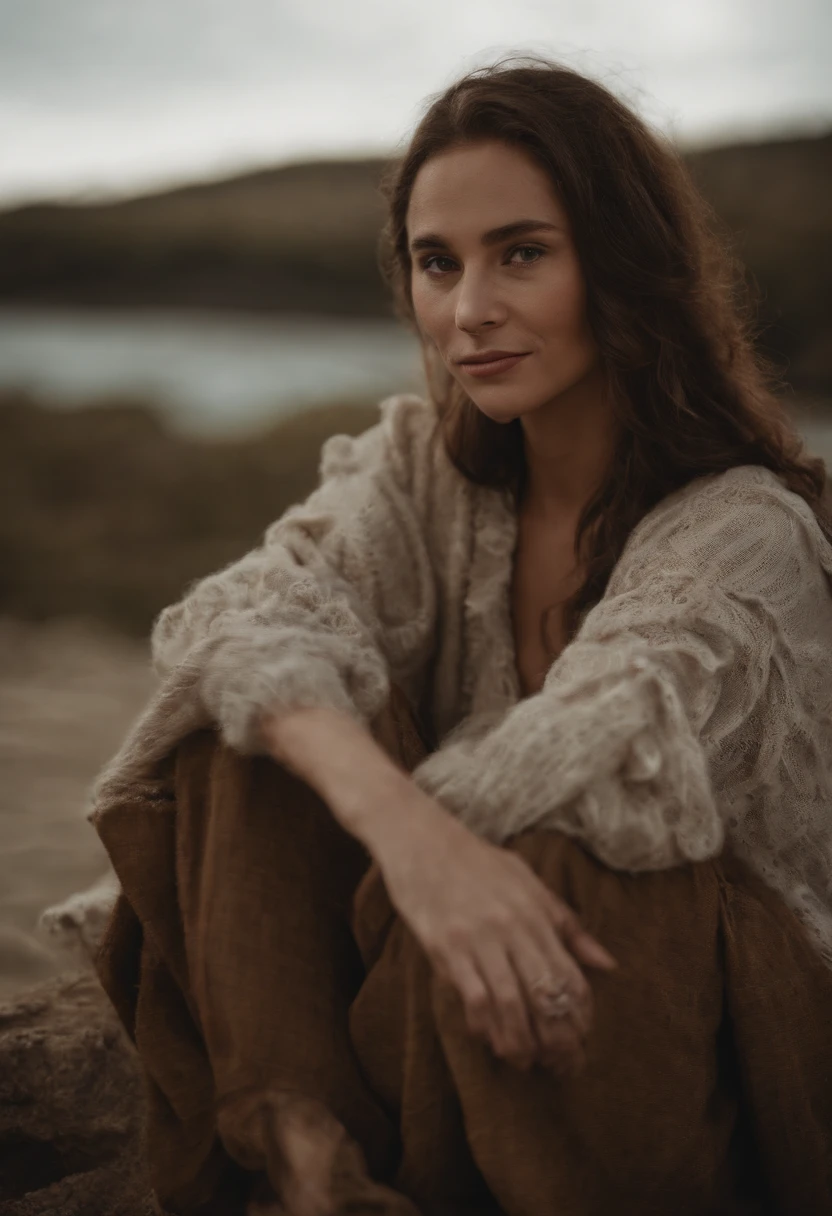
501 409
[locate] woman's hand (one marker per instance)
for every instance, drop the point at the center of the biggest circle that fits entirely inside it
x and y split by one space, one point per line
496 932
486 921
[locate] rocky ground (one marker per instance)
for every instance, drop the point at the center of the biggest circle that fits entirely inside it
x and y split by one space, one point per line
70 1106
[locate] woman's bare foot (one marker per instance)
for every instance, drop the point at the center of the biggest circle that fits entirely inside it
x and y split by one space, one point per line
294 1139
314 1167
309 1140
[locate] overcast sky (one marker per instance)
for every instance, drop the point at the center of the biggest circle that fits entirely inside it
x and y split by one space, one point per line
106 96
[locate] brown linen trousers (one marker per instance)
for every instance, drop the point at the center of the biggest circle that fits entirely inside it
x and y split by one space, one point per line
254 951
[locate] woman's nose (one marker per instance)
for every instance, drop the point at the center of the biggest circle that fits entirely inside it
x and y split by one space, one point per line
477 304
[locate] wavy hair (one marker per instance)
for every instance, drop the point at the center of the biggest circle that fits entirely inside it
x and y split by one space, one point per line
666 302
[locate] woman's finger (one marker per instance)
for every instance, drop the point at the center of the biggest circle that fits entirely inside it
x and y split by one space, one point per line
579 941
560 964
474 994
514 1038
559 1031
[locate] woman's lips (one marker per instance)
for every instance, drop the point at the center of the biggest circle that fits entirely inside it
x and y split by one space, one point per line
493 367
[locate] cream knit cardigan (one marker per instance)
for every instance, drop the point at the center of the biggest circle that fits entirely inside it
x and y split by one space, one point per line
694 703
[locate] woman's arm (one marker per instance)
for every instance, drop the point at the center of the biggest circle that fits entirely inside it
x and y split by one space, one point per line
340 593
486 922
338 757
339 597
694 631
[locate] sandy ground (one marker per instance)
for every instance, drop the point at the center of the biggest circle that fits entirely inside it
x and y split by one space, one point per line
68 692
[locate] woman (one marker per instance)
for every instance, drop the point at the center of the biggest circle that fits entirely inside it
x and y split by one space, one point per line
577 958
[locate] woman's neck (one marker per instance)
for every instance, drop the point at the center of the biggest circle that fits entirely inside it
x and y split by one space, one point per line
568 445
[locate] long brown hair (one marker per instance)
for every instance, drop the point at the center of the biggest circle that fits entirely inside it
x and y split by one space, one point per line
666 302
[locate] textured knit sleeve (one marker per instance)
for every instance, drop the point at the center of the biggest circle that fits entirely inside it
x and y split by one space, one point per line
340 592
692 635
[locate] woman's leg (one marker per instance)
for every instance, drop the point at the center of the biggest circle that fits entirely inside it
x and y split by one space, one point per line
232 963
707 1086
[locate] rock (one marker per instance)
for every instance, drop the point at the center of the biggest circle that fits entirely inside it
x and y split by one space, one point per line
70 1106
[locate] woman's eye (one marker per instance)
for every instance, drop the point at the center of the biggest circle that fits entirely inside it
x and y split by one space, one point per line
431 263
538 253
440 264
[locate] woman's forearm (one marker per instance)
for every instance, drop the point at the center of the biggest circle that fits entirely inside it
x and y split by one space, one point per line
367 792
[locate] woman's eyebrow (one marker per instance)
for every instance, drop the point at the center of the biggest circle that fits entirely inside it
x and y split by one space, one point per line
431 240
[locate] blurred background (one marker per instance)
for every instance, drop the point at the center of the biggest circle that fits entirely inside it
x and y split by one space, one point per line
189 302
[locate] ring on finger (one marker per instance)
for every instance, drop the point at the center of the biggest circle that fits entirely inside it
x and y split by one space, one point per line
552 999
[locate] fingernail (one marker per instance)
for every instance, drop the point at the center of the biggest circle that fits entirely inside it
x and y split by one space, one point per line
605 959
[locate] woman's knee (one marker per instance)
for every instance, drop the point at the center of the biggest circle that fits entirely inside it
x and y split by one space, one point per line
212 780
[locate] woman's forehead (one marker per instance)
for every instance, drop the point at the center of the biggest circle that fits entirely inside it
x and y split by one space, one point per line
476 188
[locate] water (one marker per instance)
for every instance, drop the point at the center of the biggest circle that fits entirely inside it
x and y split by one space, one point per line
227 375
208 373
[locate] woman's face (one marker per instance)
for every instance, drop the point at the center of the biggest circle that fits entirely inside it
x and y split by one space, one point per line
495 270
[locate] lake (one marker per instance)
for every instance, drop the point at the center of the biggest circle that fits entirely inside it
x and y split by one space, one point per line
209 374
225 375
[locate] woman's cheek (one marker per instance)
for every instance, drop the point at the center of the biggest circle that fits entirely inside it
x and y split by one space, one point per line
428 316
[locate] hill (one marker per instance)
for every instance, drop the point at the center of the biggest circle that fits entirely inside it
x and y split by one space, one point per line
775 200
301 238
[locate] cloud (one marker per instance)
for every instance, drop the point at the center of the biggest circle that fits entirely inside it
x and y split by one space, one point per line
108 94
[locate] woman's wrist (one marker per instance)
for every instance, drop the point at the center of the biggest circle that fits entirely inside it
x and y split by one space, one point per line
380 804
397 828
368 793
